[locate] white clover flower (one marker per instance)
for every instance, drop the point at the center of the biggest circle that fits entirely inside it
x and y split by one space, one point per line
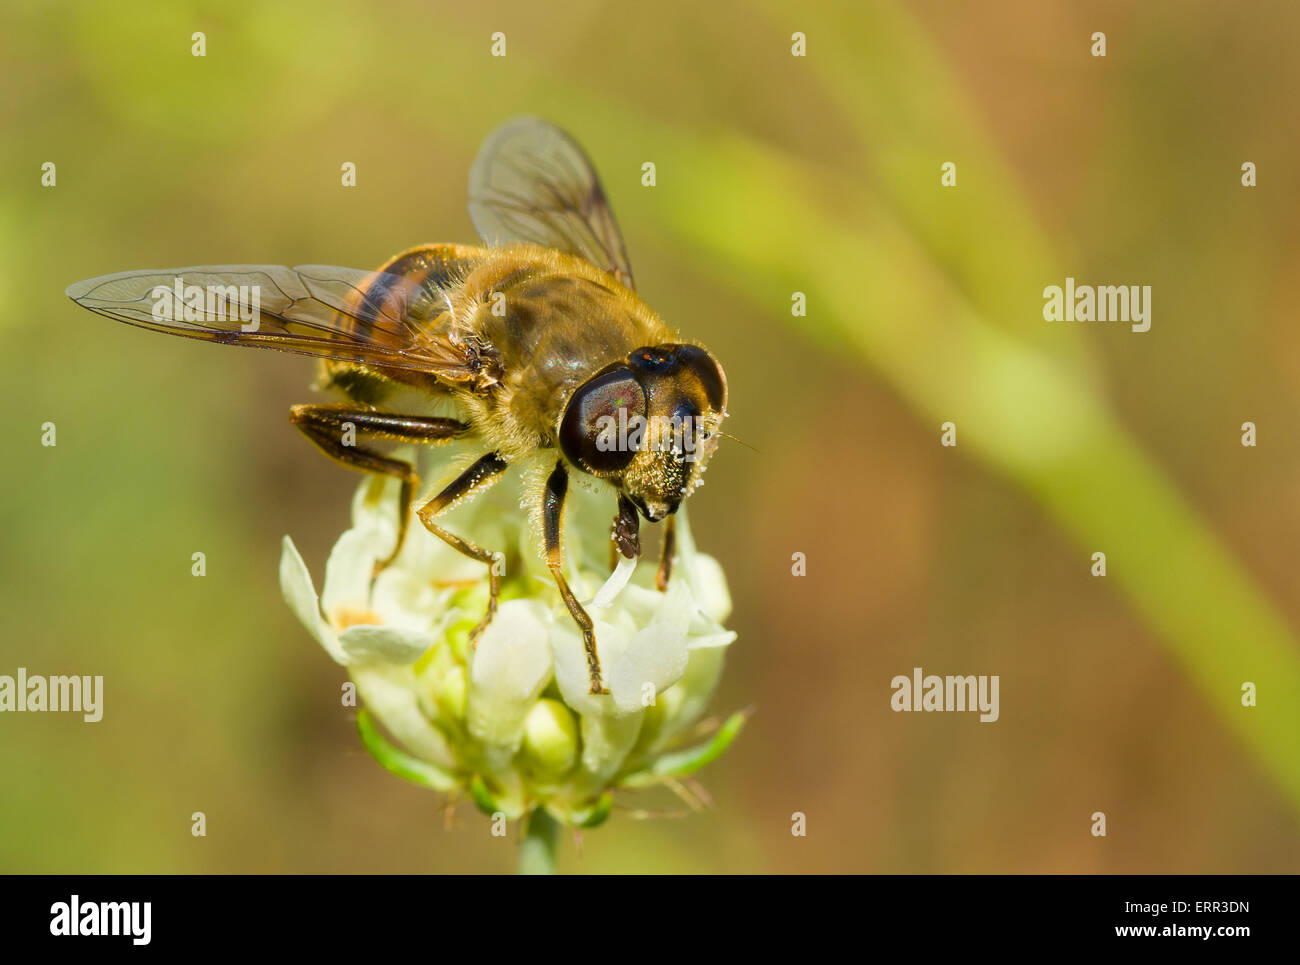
510 720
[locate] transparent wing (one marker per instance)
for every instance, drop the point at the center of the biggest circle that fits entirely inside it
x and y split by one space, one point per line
370 317
531 182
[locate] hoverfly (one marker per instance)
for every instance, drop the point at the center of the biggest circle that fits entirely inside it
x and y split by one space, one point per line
538 338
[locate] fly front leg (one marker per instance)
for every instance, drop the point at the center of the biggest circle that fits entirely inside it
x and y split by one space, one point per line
329 426
557 487
474 480
624 536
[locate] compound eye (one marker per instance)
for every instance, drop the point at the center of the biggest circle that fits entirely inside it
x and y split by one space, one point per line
597 422
708 371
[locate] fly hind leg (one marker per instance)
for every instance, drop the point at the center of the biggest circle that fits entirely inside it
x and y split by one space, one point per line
330 426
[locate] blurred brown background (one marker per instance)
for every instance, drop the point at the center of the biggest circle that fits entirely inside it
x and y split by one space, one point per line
1127 168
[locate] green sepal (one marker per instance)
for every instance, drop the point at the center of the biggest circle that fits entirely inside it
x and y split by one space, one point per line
478 790
688 761
597 815
399 762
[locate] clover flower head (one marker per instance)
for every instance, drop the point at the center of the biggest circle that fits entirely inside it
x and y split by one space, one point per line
508 719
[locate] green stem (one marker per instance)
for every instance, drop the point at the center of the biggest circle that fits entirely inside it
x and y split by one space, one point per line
541 837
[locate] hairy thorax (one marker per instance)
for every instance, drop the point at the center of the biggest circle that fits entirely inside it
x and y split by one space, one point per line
552 323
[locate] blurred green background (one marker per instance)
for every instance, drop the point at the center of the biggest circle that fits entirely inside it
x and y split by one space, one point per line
775 174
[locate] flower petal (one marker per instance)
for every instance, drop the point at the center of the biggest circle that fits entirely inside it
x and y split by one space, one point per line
374 505
705 641
300 594
709 588
390 694
406 600
570 655
611 588
606 742
369 644
510 667
708 585
676 606
348 572
653 661
654 658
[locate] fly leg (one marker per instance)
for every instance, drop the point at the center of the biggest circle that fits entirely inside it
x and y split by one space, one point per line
557 487
327 426
624 535
666 553
474 480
